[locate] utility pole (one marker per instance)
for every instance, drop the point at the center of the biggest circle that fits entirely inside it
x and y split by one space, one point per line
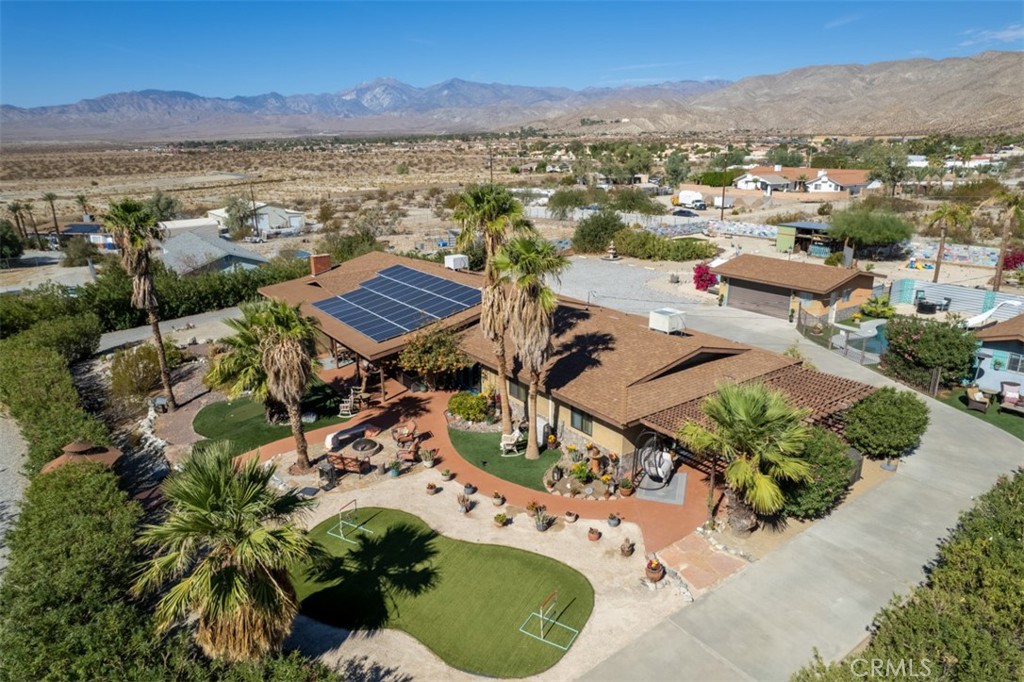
721 209
490 161
255 218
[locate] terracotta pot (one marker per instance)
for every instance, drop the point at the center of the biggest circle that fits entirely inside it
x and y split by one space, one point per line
655 575
593 535
626 492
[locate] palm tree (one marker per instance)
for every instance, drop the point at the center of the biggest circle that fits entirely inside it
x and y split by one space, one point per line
227 543
760 436
1013 205
83 203
491 214
50 198
15 208
28 207
947 216
272 354
526 262
133 229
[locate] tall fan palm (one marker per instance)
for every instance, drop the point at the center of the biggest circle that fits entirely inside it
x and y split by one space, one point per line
227 543
15 208
1013 213
526 263
51 198
491 214
760 436
134 229
83 203
28 207
271 354
947 216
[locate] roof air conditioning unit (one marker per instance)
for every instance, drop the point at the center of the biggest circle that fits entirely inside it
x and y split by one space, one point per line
456 261
668 320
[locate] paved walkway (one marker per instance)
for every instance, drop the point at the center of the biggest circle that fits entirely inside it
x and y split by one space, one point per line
822 588
202 326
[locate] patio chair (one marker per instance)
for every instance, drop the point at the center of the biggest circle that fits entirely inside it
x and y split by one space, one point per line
512 443
1009 392
347 407
404 433
976 400
410 454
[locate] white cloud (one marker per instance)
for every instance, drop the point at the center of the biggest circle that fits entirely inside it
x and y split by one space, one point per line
1011 34
842 21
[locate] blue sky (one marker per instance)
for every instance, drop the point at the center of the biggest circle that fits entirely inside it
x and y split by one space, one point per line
61 52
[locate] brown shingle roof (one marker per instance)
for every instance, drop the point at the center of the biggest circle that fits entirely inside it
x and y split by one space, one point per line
1007 330
818 279
824 394
611 365
347 277
842 176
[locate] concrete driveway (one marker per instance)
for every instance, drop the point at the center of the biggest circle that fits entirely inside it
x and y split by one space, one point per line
823 588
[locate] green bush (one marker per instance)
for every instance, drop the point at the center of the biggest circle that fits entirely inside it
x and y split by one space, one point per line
865 228
830 477
834 259
471 407
916 347
19 311
878 307
134 372
75 337
37 388
967 620
593 234
649 246
11 245
78 251
888 423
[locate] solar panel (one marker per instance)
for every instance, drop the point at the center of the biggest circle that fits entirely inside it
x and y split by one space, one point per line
399 300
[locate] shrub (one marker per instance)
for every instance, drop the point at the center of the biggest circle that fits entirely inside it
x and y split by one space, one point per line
703 278
825 208
829 481
432 352
888 423
917 347
869 228
75 337
38 390
11 245
966 619
469 406
1013 259
834 259
878 307
640 243
134 372
593 234
780 218
78 252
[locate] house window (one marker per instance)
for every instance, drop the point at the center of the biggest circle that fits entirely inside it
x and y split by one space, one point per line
846 294
816 185
1015 363
806 296
517 390
582 422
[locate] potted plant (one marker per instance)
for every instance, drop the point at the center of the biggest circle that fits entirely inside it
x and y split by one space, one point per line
446 475
552 441
542 521
428 457
654 570
574 452
533 507
627 547
593 535
626 487
432 489
571 516
464 503
614 520
469 488
500 520
394 467
498 499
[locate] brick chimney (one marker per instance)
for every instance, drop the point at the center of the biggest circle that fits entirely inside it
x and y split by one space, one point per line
319 263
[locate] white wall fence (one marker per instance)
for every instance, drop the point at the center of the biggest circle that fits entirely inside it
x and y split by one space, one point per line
964 300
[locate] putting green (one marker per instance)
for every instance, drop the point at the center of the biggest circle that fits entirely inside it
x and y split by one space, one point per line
464 601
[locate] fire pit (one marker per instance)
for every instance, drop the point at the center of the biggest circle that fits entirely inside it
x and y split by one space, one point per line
365 446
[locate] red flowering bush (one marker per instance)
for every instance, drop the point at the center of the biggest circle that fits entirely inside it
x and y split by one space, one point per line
703 278
1013 259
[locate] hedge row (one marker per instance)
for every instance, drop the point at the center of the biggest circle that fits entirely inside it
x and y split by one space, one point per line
109 297
649 246
966 623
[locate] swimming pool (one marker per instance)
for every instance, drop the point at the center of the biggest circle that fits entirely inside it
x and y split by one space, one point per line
877 344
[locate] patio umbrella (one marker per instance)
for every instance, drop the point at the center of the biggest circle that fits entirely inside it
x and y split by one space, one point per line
81 451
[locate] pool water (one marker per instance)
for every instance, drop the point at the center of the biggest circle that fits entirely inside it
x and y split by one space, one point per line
877 344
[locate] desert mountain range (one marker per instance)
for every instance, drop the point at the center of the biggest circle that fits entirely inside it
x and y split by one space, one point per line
982 93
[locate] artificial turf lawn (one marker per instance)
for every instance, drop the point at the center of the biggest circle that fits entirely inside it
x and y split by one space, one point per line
477 448
1007 421
462 600
243 422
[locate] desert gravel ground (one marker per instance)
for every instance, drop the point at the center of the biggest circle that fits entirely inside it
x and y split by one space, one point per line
12 482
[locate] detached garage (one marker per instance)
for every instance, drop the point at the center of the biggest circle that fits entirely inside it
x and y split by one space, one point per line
772 286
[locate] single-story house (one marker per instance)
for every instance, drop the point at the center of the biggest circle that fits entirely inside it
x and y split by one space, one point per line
271 220
851 181
206 226
610 376
777 287
92 233
1001 356
192 253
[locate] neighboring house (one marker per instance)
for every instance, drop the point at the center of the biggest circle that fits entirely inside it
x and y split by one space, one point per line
92 233
271 220
917 161
610 376
815 180
777 287
1001 357
206 226
806 237
192 253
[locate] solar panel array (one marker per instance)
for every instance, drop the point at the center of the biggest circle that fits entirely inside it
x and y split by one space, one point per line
397 301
